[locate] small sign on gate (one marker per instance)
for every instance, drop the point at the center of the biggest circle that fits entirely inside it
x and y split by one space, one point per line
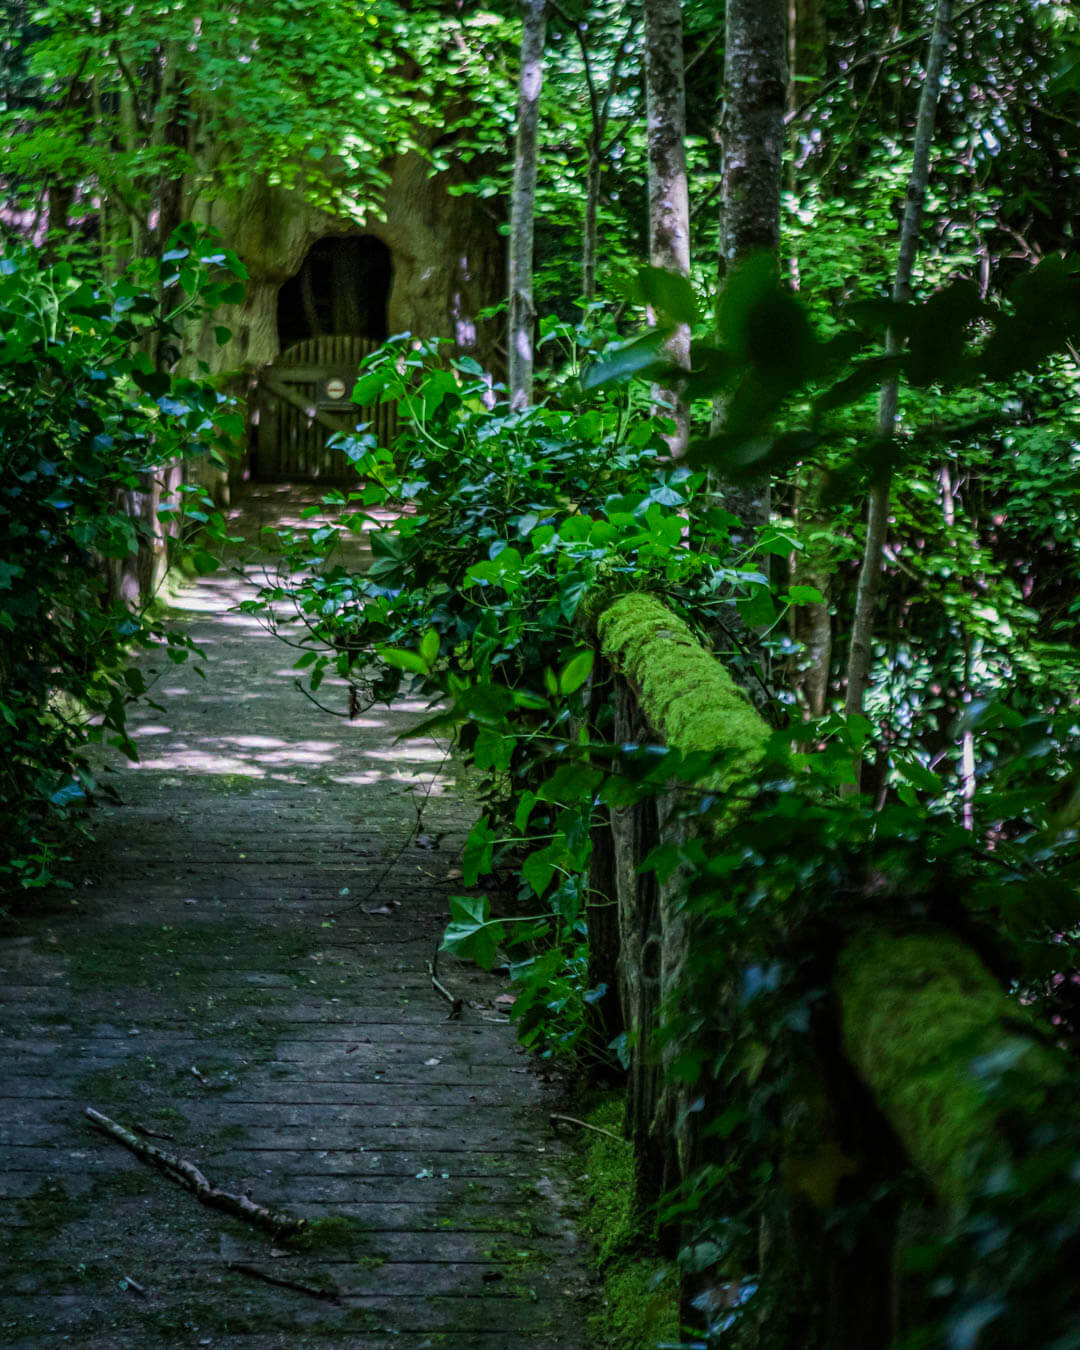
334 390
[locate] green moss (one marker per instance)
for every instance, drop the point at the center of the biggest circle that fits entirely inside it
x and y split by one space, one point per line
930 1029
686 694
137 1082
517 1260
169 957
335 1233
42 1216
640 1306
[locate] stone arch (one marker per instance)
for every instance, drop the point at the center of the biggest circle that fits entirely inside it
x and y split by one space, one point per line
342 287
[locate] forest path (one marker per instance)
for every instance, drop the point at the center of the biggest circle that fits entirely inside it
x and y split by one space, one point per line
244 969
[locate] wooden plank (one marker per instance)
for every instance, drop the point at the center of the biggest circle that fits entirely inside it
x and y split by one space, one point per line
305 374
296 428
310 412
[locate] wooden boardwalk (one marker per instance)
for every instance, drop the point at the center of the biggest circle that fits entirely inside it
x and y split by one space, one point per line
244 968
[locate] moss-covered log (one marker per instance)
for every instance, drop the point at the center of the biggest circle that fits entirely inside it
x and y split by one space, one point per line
931 1032
672 690
687 697
955 1067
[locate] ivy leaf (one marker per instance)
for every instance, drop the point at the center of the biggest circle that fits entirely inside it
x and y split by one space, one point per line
429 646
805 595
639 356
576 671
152 382
471 933
667 293
538 869
757 610
478 853
368 387
402 659
204 562
571 783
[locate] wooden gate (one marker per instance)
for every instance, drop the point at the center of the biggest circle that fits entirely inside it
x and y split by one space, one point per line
302 398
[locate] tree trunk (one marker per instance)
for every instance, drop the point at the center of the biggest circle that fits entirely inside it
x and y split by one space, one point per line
605 1014
755 87
669 199
860 655
812 623
588 243
522 204
169 134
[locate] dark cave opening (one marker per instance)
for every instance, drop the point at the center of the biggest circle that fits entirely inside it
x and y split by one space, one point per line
342 287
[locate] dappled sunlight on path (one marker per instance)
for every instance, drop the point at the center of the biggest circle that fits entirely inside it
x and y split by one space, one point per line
244 968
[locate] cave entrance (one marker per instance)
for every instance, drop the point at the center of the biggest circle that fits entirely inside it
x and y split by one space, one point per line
330 315
342 288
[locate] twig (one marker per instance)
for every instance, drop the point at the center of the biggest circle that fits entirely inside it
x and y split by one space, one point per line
392 863
153 1134
596 1129
702 52
356 708
312 1290
456 1005
188 1175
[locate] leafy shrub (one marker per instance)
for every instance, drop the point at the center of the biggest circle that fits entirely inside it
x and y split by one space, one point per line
85 416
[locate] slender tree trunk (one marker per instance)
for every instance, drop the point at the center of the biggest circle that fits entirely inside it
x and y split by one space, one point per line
669 198
522 204
592 206
599 108
755 88
813 565
169 133
806 49
860 655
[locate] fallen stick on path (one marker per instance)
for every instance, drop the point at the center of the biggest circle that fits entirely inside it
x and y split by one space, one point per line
152 1134
456 1004
188 1175
312 1290
596 1129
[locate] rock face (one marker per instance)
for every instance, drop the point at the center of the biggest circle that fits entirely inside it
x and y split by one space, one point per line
446 260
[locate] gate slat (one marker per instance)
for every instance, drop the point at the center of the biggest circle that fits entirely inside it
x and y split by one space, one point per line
300 450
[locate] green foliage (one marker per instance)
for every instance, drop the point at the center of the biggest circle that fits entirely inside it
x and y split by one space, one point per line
85 419
152 109
639 1305
477 592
